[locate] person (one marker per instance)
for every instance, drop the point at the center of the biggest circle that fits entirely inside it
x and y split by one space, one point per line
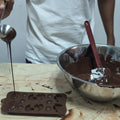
53 25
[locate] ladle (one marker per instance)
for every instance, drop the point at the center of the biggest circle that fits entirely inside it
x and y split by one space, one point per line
7 33
3 11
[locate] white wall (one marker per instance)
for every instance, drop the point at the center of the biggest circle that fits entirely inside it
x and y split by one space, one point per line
18 19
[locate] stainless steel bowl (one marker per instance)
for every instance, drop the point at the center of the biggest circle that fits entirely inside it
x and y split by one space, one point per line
86 88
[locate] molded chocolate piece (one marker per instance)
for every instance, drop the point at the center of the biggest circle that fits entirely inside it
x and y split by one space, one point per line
29 103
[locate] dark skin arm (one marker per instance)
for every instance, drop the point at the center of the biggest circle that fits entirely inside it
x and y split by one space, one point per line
106 8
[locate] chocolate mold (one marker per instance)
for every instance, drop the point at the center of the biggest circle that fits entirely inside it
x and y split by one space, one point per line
29 103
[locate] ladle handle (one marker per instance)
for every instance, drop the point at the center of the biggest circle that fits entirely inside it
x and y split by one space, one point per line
3 11
93 45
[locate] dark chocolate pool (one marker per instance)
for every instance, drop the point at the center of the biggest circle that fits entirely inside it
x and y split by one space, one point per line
82 69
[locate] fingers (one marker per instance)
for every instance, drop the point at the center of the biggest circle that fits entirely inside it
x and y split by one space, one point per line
8 9
10 4
2 5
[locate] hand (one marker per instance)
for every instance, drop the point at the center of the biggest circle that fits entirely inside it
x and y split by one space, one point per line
8 9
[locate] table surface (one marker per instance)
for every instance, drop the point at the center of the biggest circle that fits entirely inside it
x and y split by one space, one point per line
37 78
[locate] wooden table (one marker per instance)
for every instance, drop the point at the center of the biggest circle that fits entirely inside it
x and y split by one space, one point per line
37 78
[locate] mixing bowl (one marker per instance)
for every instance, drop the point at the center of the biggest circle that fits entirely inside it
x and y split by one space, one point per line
89 89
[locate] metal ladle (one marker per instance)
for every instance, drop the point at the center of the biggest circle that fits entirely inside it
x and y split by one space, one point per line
7 33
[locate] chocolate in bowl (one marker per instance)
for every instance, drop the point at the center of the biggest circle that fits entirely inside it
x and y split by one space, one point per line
77 70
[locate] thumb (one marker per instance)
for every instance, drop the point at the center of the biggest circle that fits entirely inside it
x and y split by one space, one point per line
2 5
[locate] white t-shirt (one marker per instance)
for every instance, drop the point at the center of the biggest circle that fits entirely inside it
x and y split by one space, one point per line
53 25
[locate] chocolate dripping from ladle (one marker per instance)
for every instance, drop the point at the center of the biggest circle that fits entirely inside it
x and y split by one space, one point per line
7 34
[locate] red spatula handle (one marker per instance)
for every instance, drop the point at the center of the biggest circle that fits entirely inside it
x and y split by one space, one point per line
93 45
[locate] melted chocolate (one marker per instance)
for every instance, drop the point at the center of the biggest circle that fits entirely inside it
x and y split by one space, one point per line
82 69
10 36
9 45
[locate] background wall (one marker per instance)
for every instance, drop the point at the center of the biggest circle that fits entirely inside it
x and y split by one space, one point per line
18 20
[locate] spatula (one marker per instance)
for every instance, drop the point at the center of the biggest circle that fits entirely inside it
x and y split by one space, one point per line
99 72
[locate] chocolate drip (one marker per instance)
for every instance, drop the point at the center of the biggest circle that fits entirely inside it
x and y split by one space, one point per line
11 63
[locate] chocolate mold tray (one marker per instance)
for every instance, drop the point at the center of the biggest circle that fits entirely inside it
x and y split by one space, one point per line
29 103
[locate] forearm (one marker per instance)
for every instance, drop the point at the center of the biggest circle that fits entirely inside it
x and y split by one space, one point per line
106 8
